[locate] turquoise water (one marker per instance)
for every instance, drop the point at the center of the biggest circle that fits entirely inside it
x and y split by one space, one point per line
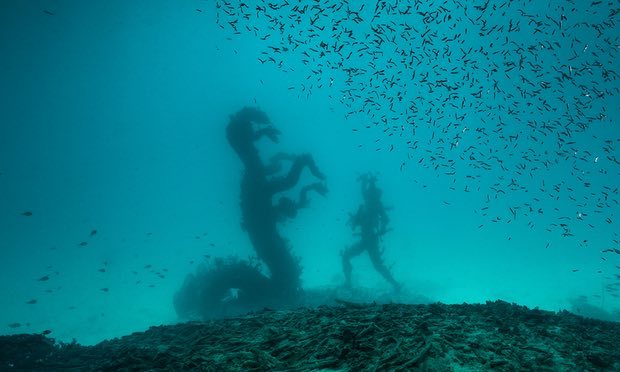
114 119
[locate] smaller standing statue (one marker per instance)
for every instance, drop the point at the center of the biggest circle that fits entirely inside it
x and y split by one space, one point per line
372 220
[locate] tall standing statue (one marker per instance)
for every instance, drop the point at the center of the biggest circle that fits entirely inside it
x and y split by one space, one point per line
260 186
232 286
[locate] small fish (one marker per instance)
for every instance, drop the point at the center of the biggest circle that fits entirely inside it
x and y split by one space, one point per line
105 289
48 12
44 278
46 332
27 214
31 302
15 325
102 270
93 232
575 270
83 244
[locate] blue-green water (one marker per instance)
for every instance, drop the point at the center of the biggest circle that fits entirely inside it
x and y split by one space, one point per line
497 148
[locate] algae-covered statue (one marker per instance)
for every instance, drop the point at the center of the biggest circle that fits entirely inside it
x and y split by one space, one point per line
372 220
233 285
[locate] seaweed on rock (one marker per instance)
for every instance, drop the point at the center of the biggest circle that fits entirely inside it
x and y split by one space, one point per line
494 336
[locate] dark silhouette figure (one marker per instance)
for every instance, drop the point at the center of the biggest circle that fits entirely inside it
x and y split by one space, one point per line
233 286
258 188
372 219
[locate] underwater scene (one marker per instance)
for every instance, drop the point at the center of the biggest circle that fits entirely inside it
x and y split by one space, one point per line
310 185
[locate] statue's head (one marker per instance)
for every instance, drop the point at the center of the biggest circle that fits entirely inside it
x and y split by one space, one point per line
370 191
252 114
241 134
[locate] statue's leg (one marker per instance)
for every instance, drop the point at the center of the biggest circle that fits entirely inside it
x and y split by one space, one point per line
309 160
291 179
348 254
377 261
275 163
318 187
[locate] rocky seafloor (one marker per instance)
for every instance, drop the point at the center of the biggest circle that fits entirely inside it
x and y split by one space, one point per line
436 337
